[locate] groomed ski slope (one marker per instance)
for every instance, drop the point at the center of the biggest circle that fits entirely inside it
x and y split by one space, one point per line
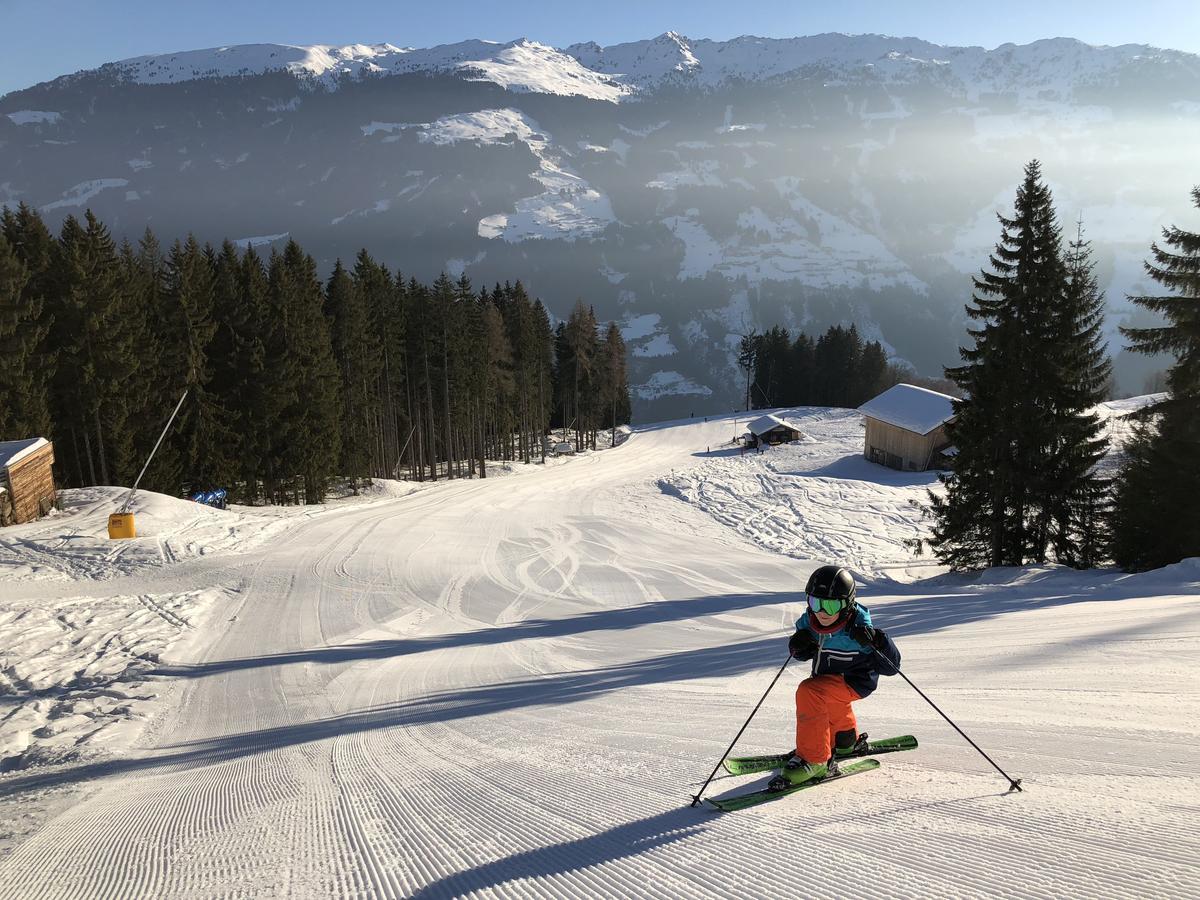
510 688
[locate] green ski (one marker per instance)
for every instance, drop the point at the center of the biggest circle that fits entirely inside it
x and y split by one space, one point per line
750 765
742 801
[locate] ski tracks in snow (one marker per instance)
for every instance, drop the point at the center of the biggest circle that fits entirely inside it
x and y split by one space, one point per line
509 688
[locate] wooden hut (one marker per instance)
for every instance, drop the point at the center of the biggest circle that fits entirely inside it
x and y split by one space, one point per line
26 480
770 430
906 427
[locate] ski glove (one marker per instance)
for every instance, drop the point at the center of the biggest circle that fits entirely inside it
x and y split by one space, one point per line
868 636
802 645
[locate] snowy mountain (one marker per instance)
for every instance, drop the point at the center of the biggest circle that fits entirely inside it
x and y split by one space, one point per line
707 187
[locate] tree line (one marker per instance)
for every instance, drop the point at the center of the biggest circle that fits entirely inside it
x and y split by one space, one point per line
837 369
291 380
1027 485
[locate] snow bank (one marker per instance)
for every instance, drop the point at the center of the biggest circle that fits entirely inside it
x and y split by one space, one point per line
75 674
816 498
74 545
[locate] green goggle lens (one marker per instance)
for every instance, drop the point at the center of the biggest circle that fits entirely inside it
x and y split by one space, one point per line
826 605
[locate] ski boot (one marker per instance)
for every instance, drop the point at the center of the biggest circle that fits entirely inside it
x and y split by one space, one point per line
796 771
847 744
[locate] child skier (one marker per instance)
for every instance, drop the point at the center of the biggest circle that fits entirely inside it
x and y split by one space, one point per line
837 635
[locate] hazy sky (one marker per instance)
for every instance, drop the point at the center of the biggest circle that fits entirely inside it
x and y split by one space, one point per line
42 39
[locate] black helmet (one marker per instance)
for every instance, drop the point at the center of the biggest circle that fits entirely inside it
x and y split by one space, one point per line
832 583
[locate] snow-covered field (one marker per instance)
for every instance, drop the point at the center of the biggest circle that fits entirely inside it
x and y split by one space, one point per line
511 688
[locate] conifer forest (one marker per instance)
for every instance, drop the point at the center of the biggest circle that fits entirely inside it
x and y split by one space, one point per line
291 380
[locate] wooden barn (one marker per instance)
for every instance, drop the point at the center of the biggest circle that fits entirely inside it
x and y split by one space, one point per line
906 427
771 430
26 480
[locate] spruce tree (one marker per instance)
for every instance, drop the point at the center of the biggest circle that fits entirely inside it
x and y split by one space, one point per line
26 360
1071 524
21 334
803 366
202 434
96 331
142 274
614 396
308 411
356 348
1001 427
1156 516
382 296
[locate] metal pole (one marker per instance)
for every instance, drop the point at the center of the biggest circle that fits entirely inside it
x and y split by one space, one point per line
1013 785
133 490
696 798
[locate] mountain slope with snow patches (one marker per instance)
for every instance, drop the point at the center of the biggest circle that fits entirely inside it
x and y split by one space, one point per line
723 186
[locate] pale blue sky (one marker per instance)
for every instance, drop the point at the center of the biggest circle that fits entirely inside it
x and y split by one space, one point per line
42 39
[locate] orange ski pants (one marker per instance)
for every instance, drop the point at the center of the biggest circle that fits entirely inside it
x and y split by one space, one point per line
822 710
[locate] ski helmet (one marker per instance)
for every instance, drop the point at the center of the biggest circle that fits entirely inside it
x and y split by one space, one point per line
831 583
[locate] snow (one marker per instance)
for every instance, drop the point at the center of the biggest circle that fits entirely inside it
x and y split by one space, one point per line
259 240
568 209
527 66
814 247
519 66
638 327
701 173
763 424
611 275
34 117
81 193
1047 71
670 384
659 345
12 452
912 408
513 686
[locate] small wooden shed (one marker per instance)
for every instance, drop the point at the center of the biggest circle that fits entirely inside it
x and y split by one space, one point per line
26 480
770 430
906 427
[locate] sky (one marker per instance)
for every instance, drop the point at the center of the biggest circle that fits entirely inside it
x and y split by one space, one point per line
42 39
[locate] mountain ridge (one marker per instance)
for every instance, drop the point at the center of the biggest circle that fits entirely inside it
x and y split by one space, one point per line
692 209
624 70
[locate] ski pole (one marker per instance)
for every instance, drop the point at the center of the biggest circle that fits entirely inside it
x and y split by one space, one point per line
696 798
1013 785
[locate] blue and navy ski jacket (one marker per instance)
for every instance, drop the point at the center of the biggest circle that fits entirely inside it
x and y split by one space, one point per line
840 654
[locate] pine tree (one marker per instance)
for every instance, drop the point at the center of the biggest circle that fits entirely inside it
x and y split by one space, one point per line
23 402
803 366
202 434
543 338
97 333
1003 424
311 417
357 350
1072 494
27 361
142 273
383 298
870 372
1156 517
614 396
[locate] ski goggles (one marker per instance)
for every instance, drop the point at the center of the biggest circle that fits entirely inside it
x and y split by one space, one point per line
827 605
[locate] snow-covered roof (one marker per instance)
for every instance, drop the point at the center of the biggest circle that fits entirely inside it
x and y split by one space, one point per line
912 408
766 423
12 452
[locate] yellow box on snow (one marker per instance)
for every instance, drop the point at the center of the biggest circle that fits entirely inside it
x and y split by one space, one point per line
120 525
